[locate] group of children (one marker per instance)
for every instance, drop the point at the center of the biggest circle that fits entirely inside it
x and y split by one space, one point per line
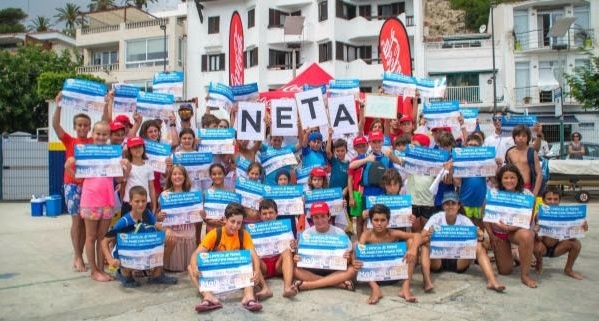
371 165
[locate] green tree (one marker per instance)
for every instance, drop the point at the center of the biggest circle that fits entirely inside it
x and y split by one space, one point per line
21 108
584 84
140 4
41 24
477 11
10 20
69 14
99 5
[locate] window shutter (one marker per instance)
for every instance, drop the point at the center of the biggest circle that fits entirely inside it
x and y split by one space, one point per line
204 62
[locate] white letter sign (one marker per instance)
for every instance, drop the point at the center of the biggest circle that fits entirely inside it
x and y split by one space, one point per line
250 121
283 114
344 119
311 108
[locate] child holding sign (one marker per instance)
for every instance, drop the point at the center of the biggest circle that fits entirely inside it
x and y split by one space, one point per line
551 247
450 216
138 220
502 235
230 237
380 215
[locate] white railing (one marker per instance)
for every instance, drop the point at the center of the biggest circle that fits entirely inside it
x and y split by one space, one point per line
86 31
470 43
145 24
533 95
98 68
466 94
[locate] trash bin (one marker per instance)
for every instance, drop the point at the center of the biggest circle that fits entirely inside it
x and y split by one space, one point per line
53 205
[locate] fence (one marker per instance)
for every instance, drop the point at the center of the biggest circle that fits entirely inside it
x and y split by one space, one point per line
24 166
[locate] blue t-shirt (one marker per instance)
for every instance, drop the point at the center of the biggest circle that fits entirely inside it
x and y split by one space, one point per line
473 191
338 173
126 224
266 152
377 190
443 188
311 158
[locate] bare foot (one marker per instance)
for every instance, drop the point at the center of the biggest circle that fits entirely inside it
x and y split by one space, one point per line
408 296
375 296
572 274
539 266
497 287
428 287
79 265
290 292
107 275
263 294
526 280
100 277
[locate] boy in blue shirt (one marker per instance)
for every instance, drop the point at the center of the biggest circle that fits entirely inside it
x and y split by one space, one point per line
312 152
139 220
472 189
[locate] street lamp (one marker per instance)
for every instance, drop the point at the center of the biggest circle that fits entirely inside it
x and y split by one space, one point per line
493 3
163 28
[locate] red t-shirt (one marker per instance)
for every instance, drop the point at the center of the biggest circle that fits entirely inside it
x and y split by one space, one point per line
356 175
69 145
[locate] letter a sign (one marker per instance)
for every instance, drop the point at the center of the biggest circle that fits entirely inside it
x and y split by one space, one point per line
343 114
249 122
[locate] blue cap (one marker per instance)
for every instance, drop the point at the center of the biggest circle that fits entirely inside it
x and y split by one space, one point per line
282 172
451 196
314 136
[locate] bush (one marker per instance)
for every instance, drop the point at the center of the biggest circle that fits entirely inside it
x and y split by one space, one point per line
50 83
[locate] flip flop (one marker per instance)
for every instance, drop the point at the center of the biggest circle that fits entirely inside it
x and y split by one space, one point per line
206 306
350 285
252 306
295 286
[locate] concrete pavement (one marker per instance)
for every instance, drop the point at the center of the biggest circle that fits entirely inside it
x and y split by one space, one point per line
37 282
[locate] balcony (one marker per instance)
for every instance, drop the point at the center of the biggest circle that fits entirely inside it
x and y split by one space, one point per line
363 69
358 29
280 75
276 36
464 94
92 69
91 37
534 96
291 4
464 55
536 40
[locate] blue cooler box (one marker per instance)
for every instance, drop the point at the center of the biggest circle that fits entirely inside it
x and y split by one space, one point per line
53 205
37 206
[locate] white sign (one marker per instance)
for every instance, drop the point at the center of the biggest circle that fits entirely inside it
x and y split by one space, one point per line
381 106
284 117
344 118
250 121
311 108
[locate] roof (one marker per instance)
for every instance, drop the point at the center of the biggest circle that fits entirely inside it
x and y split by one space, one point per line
314 75
50 35
115 16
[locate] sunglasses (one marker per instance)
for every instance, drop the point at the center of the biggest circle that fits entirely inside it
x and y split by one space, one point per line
496 118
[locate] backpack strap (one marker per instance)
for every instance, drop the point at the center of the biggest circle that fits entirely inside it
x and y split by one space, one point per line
530 158
219 235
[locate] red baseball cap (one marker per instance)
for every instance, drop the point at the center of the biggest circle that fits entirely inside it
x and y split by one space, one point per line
422 139
115 125
405 118
318 172
360 140
442 128
123 119
135 141
319 208
375 135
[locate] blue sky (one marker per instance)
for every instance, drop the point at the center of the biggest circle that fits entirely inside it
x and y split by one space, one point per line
47 8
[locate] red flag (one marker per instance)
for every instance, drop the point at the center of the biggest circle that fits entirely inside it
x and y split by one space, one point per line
236 61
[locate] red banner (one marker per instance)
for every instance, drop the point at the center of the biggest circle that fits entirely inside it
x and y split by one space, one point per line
394 52
236 61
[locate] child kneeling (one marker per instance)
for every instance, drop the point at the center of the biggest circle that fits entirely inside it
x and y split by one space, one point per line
139 220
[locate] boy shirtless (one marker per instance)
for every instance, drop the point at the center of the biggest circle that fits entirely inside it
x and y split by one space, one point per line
550 247
379 215
519 157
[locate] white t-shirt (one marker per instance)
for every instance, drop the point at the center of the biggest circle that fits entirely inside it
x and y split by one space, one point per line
140 175
501 144
439 220
333 230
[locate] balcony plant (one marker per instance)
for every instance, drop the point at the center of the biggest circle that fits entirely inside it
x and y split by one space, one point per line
585 38
517 44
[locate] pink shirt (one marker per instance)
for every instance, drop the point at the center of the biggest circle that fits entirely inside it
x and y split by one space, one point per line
97 192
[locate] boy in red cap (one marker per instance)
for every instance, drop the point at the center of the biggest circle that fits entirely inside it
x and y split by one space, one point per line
354 184
117 133
309 279
406 124
423 205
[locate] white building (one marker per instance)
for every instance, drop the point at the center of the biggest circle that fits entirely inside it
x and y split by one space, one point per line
342 36
49 40
128 45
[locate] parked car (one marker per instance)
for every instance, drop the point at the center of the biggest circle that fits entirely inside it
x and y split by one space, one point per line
591 150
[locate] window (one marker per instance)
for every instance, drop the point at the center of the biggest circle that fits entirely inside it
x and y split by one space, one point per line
213 62
296 13
349 53
339 46
251 57
325 51
345 10
146 53
251 18
365 53
365 11
522 89
213 25
278 59
145 85
365 89
105 58
323 8
276 18
391 9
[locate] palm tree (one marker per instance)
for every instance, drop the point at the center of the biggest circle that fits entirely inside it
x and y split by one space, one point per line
99 5
69 15
139 4
41 24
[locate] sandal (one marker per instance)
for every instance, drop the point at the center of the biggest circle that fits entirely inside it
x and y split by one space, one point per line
126 281
295 286
350 285
252 306
206 306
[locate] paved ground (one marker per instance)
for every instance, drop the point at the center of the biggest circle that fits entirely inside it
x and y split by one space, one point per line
36 282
